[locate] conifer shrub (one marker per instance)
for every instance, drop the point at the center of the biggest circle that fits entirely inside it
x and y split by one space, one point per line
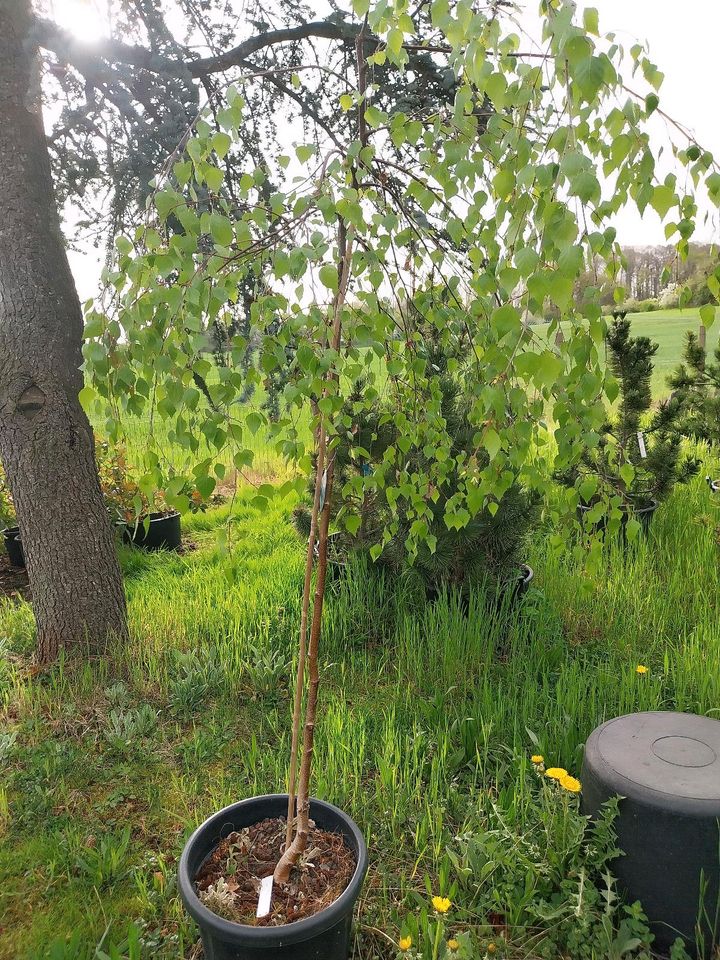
486 553
696 388
637 458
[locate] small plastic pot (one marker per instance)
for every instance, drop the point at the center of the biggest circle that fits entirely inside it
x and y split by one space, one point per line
325 936
163 532
13 545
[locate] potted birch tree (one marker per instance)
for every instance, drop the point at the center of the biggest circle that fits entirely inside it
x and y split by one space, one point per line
497 191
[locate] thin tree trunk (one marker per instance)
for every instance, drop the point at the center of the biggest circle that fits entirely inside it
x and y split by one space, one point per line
46 442
300 679
295 849
299 843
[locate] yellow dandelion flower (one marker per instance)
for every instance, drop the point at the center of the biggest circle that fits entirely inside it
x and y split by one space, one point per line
405 943
570 784
537 758
441 904
491 948
556 773
453 944
641 668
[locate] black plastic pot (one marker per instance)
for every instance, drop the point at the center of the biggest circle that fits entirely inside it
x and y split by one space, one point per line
642 514
514 589
666 768
163 532
521 586
325 936
13 545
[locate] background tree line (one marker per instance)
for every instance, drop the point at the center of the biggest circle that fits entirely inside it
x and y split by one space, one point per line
655 277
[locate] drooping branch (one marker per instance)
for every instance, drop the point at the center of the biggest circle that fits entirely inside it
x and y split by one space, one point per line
91 59
322 29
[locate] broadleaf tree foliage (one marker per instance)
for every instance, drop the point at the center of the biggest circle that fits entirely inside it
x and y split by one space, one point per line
124 102
497 192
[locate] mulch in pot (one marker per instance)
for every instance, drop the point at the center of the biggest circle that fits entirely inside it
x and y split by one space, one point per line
228 882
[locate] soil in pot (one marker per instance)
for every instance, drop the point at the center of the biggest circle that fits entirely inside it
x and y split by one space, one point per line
229 879
327 935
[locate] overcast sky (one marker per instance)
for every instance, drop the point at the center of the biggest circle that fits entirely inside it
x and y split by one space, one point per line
683 40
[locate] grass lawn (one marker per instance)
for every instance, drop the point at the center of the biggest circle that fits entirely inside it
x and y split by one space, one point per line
428 722
668 328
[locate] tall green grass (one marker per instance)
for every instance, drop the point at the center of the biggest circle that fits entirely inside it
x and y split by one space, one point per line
425 711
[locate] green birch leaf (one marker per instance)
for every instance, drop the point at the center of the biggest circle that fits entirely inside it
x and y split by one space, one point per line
707 314
329 276
491 442
221 229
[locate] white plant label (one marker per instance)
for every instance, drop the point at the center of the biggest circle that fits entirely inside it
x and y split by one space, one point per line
265 898
641 444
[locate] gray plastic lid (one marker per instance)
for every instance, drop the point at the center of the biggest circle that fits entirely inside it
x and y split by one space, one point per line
670 755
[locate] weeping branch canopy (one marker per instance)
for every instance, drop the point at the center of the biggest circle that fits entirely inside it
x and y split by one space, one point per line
126 101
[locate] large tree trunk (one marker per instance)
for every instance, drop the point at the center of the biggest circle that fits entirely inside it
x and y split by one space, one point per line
46 442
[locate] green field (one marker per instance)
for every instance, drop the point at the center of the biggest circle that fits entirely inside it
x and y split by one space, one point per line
428 722
668 329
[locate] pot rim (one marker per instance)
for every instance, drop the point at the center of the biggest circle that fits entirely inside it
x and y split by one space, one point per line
287 933
155 517
649 507
11 533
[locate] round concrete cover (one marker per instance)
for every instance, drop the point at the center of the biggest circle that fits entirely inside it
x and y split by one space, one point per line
677 754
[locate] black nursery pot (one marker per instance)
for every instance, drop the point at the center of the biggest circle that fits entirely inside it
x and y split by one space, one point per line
514 589
13 545
521 586
642 514
325 936
163 532
665 767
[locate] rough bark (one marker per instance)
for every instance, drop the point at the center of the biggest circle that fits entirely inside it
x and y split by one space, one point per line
46 442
